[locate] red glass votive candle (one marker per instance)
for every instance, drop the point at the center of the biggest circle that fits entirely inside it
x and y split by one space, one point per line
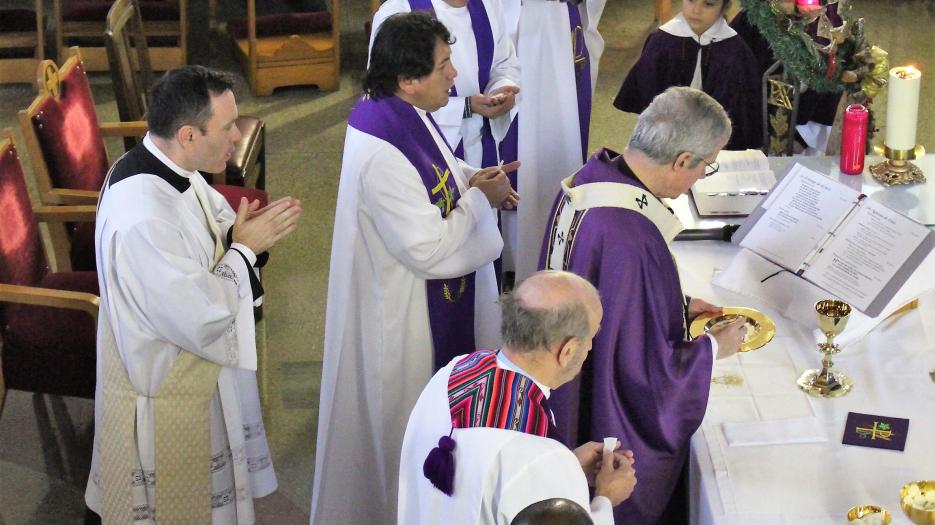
854 139
807 6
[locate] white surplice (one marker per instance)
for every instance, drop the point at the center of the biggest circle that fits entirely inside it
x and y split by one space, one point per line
154 258
388 240
549 132
504 71
498 472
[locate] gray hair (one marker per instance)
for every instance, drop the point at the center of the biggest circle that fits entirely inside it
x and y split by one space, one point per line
526 329
680 119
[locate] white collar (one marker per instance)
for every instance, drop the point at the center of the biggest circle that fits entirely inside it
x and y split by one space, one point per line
504 362
151 146
678 26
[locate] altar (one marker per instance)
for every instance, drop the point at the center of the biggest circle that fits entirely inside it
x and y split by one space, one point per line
767 453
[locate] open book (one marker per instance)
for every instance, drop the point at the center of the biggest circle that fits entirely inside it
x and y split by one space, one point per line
852 247
743 178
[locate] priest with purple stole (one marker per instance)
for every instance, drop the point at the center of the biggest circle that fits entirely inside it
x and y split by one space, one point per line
481 445
411 283
646 382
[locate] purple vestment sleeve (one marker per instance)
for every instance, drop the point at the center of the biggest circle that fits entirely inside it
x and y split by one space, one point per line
643 381
729 74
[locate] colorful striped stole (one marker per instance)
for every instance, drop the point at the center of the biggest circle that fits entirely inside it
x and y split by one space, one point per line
482 395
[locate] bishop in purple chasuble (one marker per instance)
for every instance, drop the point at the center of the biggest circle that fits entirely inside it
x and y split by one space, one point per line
644 381
450 301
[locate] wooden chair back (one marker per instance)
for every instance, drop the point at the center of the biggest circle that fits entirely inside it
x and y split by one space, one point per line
130 70
21 29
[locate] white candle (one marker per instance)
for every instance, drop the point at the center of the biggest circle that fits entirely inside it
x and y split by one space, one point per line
902 107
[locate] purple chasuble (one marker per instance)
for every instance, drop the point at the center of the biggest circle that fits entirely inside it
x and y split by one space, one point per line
728 73
450 301
643 382
582 65
481 394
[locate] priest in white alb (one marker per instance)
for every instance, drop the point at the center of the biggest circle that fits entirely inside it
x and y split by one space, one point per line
559 49
481 445
178 430
481 105
411 282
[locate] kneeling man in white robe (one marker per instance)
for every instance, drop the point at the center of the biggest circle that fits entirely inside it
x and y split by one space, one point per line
479 447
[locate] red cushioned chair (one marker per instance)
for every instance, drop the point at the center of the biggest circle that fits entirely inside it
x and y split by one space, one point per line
81 23
66 146
289 49
22 35
48 321
133 76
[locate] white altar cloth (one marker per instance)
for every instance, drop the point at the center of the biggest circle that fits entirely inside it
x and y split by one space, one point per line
808 483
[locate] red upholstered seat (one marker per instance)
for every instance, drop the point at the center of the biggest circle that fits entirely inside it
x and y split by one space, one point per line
17 20
45 349
96 10
51 350
234 193
70 136
283 24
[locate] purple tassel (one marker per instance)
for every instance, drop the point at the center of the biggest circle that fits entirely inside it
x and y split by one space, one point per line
439 466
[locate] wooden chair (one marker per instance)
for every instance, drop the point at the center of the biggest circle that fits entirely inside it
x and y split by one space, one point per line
22 37
48 320
289 50
65 142
132 78
81 22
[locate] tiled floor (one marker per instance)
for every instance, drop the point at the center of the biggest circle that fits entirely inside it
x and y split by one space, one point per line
44 451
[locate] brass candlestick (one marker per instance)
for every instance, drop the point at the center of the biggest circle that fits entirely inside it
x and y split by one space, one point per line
897 169
832 318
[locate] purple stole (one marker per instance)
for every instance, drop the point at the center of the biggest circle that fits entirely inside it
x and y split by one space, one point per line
482 395
450 301
582 65
483 36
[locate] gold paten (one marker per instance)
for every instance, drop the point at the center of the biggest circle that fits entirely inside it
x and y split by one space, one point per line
760 328
832 318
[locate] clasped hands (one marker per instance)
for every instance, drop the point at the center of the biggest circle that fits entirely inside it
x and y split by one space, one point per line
495 185
610 473
498 102
260 228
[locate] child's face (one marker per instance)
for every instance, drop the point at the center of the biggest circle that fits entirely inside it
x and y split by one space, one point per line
702 14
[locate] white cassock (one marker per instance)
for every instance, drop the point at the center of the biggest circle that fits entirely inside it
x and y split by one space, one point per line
154 259
388 240
504 71
498 472
549 135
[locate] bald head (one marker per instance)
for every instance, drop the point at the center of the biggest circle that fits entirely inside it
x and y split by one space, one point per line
548 307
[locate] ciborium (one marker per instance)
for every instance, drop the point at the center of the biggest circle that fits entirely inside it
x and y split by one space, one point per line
832 318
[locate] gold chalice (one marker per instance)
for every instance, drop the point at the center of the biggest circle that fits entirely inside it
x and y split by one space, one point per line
832 318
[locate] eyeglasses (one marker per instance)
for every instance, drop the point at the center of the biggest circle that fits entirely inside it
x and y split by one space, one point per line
710 167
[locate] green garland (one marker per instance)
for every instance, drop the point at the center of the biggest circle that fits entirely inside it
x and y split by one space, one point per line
800 55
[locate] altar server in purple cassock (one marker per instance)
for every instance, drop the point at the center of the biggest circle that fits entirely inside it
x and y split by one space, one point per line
481 444
697 48
559 49
646 383
411 277
482 102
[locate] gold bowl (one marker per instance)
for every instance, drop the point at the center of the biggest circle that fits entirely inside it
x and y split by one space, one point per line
920 515
861 511
760 328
